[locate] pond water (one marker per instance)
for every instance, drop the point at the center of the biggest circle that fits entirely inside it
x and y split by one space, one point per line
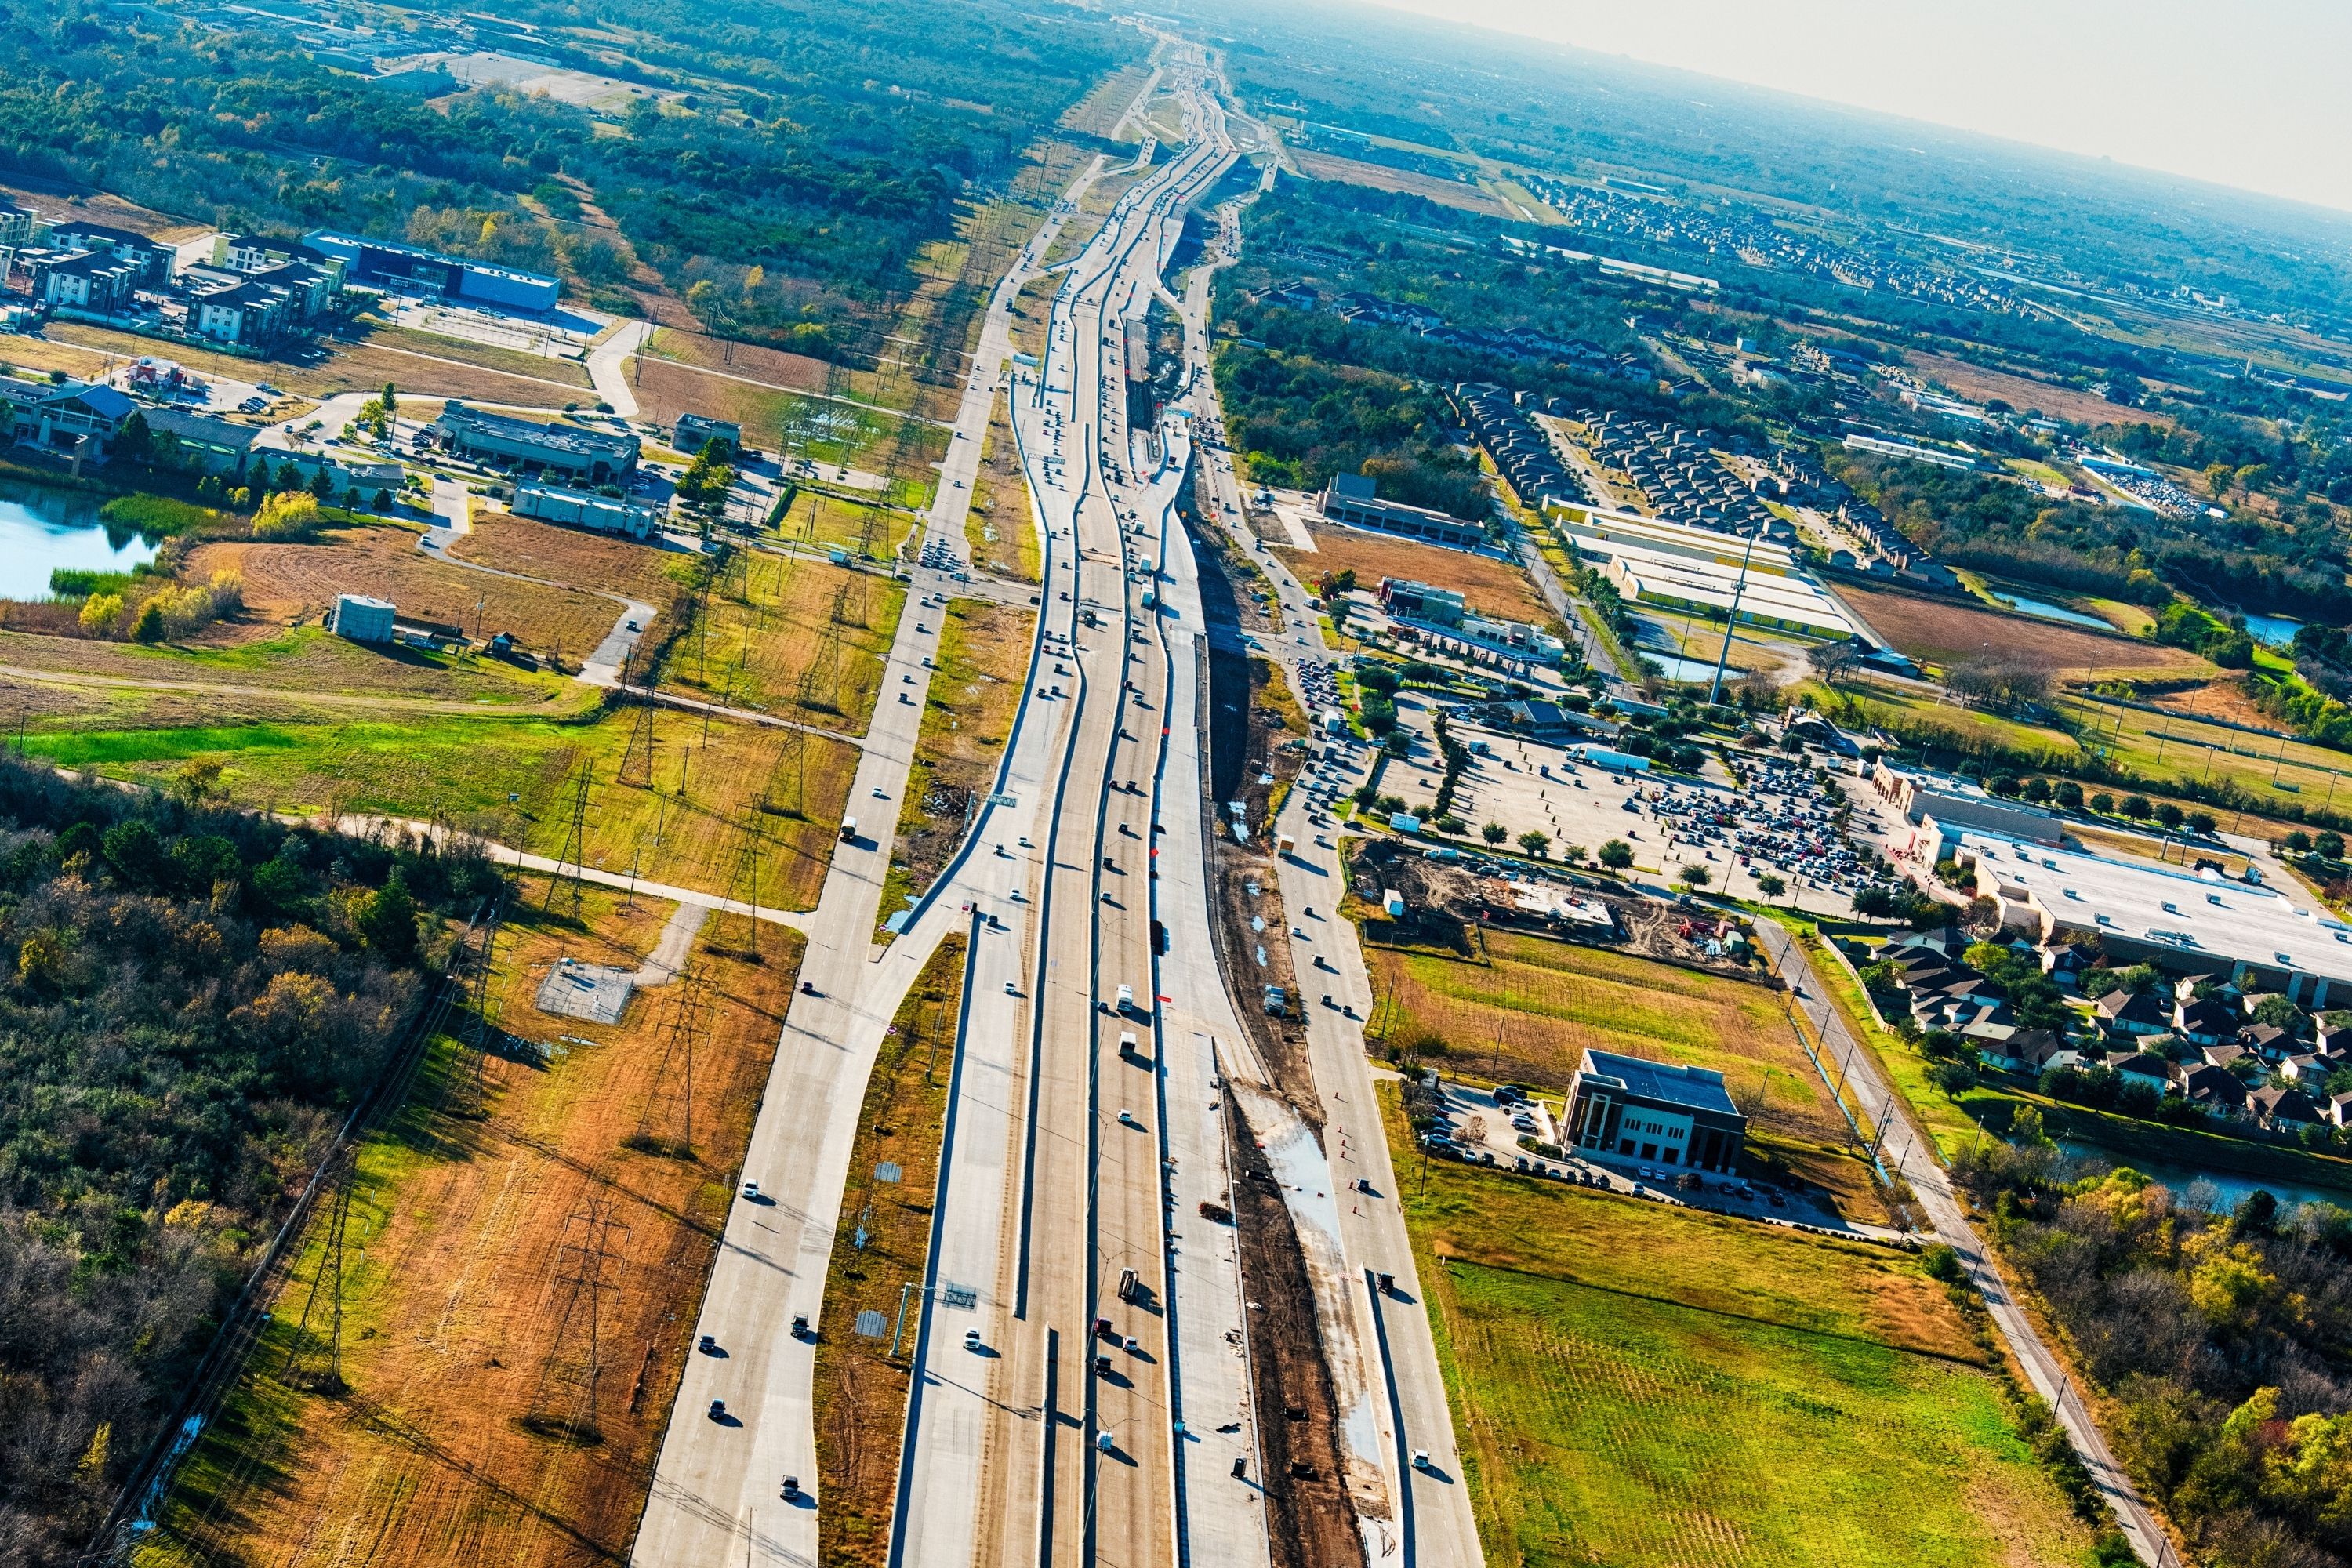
2231 1186
1674 667
43 529
2046 610
2274 631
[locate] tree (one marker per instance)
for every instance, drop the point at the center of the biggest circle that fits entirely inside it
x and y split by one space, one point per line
1616 854
2170 814
1695 874
1535 843
2067 794
148 626
2330 846
386 919
1770 885
1832 659
2103 803
2203 824
133 442
2137 807
390 398
1493 832
1450 826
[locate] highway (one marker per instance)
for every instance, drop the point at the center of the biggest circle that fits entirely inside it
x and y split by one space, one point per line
716 1491
1083 1392
1431 1522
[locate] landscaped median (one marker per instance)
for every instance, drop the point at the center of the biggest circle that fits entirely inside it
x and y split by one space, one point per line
880 1246
1643 1385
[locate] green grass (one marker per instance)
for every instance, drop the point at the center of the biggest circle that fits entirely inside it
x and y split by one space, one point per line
1639 1386
462 768
159 517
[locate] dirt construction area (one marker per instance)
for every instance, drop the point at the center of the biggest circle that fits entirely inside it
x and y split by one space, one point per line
522 1263
1946 631
1490 587
288 582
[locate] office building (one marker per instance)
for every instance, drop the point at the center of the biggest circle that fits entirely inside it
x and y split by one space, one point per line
1630 1108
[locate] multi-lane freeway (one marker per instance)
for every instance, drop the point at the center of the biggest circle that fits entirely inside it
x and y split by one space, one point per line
1081 1336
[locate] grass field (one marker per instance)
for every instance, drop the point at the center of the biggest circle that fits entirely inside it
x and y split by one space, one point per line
1488 586
975 689
1944 631
789 634
1381 177
860 1391
829 520
689 829
1528 1014
1650 1388
362 367
455 1443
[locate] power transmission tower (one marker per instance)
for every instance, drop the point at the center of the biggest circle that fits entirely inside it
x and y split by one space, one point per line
575 844
469 1093
791 755
671 1103
744 885
820 683
637 756
588 1262
315 1360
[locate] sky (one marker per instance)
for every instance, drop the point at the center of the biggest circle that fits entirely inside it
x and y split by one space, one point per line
2249 93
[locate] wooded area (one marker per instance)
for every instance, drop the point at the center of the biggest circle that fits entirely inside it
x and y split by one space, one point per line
191 999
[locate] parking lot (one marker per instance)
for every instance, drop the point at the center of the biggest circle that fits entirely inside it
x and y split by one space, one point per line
1495 1128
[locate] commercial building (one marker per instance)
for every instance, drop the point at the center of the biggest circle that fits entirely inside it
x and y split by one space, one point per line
1353 500
2191 923
1940 813
1763 599
1631 1108
585 509
361 618
694 433
594 457
1683 567
195 442
71 418
386 264
1437 617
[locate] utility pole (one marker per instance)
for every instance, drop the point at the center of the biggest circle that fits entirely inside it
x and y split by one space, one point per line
1731 621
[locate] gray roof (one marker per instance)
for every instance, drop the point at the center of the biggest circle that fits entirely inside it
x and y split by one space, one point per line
575 438
1694 1088
198 427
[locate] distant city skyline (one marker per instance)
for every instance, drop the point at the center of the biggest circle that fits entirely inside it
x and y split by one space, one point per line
2248 96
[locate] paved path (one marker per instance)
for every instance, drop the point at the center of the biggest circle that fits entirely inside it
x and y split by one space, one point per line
1905 1150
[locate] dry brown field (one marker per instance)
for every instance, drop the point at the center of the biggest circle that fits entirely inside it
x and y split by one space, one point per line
457 1442
1488 586
2021 393
284 583
1946 631
574 556
1380 177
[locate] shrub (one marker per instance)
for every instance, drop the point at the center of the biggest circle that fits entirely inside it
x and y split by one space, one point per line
291 514
101 614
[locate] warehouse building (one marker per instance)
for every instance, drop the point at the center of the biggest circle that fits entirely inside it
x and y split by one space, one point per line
1669 582
591 457
384 264
1631 1108
586 509
2182 921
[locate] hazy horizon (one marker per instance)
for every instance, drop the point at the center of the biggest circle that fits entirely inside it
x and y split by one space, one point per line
2154 86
